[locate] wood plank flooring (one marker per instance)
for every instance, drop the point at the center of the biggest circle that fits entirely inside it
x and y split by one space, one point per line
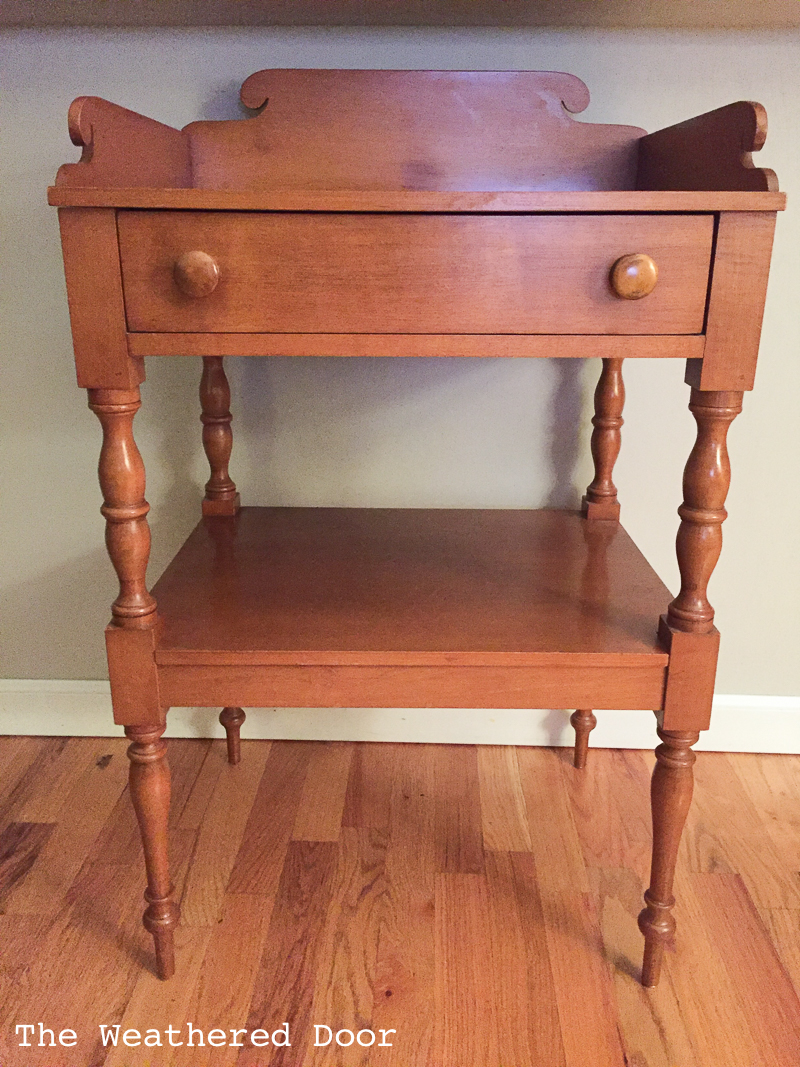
478 904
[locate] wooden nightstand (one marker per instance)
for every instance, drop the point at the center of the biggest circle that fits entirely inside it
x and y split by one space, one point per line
414 213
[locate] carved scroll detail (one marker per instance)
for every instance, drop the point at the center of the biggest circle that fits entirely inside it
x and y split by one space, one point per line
568 89
447 127
215 397
125 509
671 795
123 148
711 151
705 486
150 792
601 501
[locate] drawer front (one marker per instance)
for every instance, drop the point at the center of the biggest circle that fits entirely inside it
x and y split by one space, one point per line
422 274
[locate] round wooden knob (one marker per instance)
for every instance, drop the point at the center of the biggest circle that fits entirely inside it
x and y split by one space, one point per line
634 276
196 273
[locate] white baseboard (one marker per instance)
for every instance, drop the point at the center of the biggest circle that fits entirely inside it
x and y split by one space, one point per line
63 708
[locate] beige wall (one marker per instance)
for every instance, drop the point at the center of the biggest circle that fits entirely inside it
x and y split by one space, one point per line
380 432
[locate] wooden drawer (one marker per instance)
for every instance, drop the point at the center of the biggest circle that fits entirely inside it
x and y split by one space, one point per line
423 274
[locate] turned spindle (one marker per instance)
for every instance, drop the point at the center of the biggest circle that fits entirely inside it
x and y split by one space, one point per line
584 722
215 398
122 480
670 796
232 719
705 486
600 501
150 791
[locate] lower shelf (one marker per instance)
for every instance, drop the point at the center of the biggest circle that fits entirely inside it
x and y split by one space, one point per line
410 607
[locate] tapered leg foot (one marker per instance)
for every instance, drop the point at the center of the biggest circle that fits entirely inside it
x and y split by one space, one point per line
150 793
160 919
671 795
584 722
232 719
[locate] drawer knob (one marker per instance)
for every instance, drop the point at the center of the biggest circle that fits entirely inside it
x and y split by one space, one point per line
196 273
634 276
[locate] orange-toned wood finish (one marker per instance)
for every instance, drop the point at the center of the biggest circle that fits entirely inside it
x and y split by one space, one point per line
96 308
687 630
196 273
339 273
419 345
736 303
150 793
634 276
705 486
690 678
712 151
121 147
550 942
449 130
133 672
584 721
386 586
601 501
125 509
671 795
404 201
215 399
232 719
411 213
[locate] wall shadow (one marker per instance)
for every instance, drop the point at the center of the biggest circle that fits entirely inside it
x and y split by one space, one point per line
224 103
53 623
170 416
566 443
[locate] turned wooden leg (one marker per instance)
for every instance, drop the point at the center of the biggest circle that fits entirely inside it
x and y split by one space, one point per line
232 719
215 398
601 501
122 479
670 795
150 792
706 480
584 722
705 486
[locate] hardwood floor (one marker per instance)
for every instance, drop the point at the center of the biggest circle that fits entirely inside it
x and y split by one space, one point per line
480 902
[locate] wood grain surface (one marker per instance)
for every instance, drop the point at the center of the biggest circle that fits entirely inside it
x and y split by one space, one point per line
518 948
421 345
96 309
413 200
711 151
736 302
412 586
412 129
375 607
299 272
396 129
121 147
